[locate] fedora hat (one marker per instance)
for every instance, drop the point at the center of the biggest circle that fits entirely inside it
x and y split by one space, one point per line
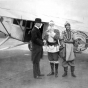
38 20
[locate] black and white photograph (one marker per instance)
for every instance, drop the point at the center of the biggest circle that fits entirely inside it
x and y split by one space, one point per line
43 44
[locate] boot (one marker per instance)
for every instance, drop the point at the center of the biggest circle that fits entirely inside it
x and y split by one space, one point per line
52 69
65 72
56 70
72 71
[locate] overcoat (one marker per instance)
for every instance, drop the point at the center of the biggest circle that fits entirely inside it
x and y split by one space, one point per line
37 43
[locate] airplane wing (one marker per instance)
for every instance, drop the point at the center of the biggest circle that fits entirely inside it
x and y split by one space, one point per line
57 10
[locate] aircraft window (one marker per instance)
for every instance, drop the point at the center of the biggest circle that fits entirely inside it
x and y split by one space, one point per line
16 21
28 24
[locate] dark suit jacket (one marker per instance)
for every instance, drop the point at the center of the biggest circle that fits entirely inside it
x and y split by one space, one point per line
37 43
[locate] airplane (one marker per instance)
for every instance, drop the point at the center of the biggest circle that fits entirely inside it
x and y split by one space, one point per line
17 20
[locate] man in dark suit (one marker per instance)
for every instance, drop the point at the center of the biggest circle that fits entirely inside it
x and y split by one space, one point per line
37 43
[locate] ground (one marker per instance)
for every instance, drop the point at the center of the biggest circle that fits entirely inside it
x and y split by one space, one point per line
16 70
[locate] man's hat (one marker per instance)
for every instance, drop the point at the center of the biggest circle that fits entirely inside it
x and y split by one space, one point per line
38 20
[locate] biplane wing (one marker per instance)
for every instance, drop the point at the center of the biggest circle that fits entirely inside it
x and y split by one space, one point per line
19 15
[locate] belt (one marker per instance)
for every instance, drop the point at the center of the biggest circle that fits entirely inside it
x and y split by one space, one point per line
52 43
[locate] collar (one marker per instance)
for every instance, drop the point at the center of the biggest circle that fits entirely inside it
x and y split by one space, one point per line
36 27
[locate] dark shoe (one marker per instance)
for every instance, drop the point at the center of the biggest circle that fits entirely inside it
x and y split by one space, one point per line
65 74
37 77
41 75
52 73
73 75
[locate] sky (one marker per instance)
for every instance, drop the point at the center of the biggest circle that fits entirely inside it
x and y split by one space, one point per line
73 11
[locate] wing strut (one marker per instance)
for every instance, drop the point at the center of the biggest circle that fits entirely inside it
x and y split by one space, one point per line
1 19
4 40
9 36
